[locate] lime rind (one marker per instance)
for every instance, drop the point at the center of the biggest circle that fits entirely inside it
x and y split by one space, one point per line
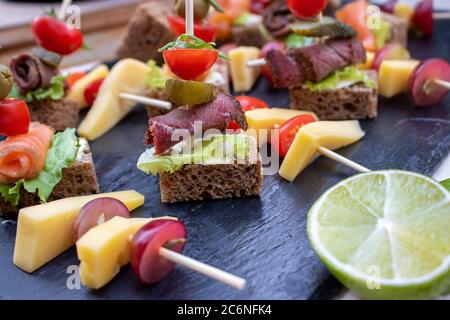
406 275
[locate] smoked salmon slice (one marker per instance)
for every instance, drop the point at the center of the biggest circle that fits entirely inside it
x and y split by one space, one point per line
355 15
23 156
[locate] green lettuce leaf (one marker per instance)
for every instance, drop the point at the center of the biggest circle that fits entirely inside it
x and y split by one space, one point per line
219 149
156 78
61 155
54 92
341 79
446 184
297 41
382 33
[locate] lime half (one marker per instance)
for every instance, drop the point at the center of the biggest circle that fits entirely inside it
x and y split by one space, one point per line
385 235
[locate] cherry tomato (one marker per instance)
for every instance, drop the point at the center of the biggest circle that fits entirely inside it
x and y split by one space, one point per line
306 8
201 30
91 91
188 64
74 77
56 35
249 103
14 117
272 45
288 131
233 125
258 6
96 212
222 22
147 263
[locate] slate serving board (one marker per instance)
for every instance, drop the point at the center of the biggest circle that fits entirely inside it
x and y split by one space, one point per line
262 239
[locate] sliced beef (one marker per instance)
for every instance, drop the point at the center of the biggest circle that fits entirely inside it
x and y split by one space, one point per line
278 19
31 73
314 62
216 114
285 70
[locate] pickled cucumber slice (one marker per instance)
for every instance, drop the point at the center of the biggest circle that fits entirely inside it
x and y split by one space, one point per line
328 27
182 92
6 81
50 58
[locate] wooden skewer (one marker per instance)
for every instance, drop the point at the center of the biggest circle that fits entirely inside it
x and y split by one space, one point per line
63 9
256 63
441 15
342 160
442 83
203 268
189 4
147 101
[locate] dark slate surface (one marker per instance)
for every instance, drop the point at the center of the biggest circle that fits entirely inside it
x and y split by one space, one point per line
262 239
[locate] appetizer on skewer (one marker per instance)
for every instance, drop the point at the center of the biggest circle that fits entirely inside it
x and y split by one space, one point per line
324 77
37 165
38 81
206 166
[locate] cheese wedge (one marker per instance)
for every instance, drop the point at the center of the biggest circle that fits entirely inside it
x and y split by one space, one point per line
127 76
329 134
394 75
103 250
243 77
269 118
45 231
76 92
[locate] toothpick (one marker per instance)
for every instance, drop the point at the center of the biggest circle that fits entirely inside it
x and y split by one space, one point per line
147 101
256 63
203 268
442 83
63 9
441 15
342 160
189 4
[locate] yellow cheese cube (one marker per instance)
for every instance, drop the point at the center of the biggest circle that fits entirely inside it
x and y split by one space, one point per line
103 250
404 11
243 77
370 56
45 231
300 154
268 118
76 92
394 75
127 76
329 134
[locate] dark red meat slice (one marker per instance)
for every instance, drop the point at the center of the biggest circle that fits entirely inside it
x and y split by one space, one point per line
212 115
31 73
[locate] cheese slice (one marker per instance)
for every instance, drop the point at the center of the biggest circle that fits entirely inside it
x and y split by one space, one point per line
127 76
45 231
394 76
269 118
329 134
243 77
103 250
76 92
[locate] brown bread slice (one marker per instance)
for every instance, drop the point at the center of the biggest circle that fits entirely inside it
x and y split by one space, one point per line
77 180
59 114
196 182
147 31
399 29
354 102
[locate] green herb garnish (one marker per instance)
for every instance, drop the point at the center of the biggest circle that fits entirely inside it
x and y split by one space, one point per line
186 41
